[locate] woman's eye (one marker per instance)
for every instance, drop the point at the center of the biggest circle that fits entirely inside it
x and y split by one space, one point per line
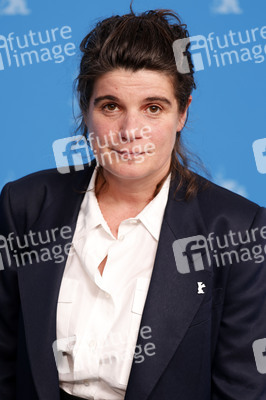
110 107
154 109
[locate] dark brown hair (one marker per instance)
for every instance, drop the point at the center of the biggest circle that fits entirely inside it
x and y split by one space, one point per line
135 42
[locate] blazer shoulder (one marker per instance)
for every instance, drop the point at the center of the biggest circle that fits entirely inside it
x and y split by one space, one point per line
41 178
30 194
215 200
40 181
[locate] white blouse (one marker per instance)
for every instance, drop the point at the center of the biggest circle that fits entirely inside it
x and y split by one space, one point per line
98 317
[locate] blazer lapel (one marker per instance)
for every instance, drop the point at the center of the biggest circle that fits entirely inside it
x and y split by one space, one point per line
172 299
40 282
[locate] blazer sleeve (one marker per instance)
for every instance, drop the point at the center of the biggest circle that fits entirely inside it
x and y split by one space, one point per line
235 374
9 302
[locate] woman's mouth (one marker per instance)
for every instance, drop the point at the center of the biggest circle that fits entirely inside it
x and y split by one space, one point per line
128 153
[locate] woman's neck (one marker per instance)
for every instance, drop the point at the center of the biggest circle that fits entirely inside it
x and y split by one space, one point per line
134 192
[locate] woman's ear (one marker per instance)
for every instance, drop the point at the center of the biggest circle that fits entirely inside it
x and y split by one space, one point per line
183 116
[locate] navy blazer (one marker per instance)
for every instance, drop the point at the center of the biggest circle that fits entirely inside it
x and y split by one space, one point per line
203 342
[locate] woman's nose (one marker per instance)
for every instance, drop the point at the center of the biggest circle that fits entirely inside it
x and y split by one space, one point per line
129 128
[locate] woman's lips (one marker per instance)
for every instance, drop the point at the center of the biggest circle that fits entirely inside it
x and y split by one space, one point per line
128 152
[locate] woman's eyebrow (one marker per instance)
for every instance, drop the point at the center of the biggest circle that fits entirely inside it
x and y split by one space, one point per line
161 99
106 97
149 99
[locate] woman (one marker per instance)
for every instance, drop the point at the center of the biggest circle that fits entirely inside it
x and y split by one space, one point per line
154 300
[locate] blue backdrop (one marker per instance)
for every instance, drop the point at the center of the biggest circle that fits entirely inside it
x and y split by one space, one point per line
39 60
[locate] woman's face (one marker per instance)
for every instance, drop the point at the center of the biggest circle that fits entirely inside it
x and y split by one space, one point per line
132 122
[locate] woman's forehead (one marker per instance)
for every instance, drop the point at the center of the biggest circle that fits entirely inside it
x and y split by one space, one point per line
121 81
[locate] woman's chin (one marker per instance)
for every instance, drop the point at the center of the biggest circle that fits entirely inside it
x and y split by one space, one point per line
127 170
